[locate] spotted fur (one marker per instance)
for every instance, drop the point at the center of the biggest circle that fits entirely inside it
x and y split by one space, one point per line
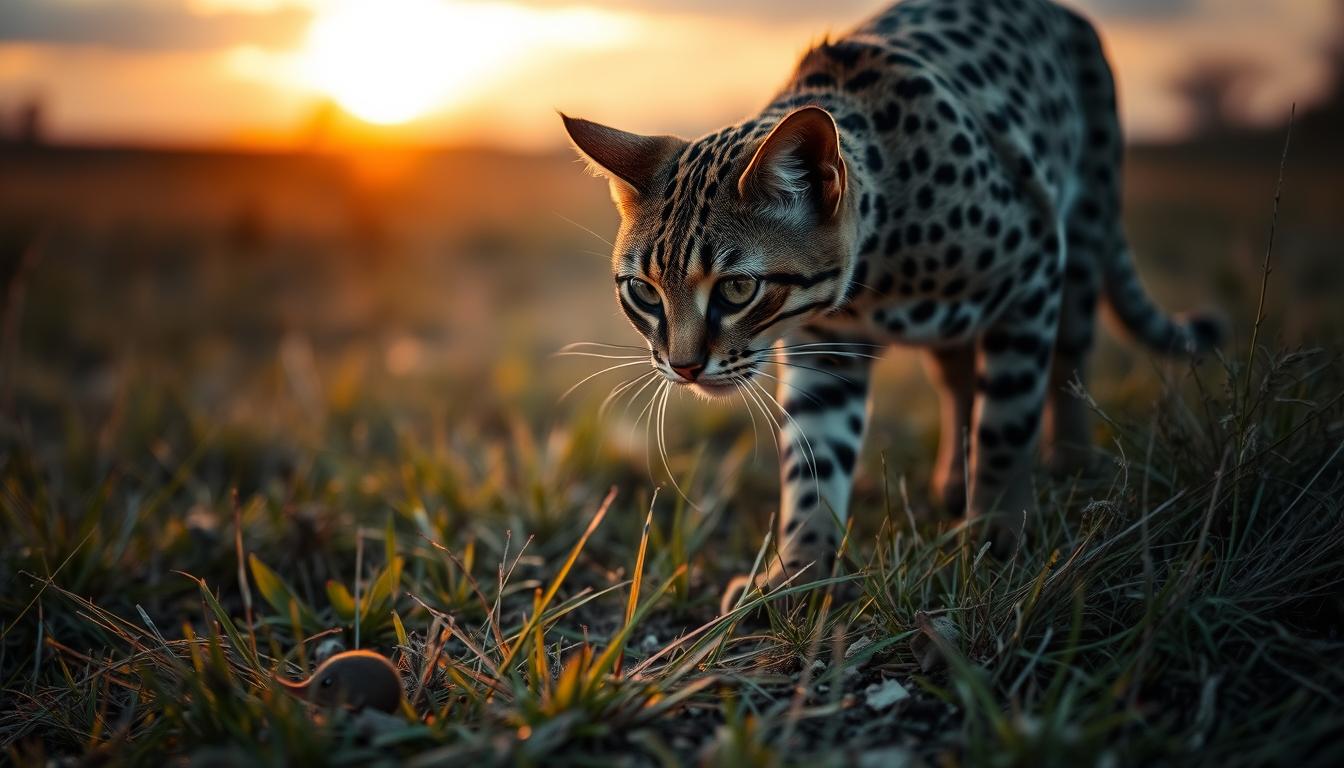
945 176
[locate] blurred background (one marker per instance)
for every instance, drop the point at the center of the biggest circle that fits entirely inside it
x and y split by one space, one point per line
283 224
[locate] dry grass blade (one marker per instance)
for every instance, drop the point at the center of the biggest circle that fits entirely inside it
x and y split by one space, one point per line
524 635
638 578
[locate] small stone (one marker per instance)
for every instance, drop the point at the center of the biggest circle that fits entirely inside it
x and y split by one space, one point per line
923 646
880 696
858 645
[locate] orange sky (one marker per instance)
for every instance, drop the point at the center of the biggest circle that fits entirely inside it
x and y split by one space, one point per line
278 72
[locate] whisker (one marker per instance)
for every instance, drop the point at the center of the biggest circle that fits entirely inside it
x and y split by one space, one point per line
598 354
616 391
790 353
662 446
755 432
635 398
592 376
827 344
576 344
621 389
585 229
662 440
770 419
648 424
810 455
802 392
800 366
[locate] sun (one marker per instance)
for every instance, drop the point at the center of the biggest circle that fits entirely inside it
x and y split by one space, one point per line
387 61
392 61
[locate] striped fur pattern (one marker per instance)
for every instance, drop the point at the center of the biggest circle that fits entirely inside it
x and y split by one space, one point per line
945 176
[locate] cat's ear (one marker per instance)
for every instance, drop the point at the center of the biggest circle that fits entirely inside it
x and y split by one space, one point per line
631 161
798 172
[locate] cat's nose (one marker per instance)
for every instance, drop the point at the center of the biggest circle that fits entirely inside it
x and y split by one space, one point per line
688 371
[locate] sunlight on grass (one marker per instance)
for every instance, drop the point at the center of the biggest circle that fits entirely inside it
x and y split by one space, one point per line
1107 634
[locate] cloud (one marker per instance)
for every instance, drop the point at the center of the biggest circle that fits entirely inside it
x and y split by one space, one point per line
842 13
151 25
211 24
759 10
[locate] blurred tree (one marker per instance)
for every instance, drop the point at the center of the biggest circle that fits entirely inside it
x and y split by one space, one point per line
30 122
1333 106
1214 89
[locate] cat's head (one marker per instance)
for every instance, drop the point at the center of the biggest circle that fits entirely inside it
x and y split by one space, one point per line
728 241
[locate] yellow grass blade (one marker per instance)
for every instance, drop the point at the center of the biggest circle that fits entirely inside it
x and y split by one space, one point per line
559 579
638 577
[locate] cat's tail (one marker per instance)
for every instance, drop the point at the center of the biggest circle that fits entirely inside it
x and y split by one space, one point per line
1190 333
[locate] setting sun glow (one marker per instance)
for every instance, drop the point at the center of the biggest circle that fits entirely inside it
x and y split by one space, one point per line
383 60
391 61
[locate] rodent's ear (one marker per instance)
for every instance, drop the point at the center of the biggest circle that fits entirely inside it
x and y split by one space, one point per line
630 160
798 173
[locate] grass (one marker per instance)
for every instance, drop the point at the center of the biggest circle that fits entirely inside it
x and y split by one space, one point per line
1183 606
180 531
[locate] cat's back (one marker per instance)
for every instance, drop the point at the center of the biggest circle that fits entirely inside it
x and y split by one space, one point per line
1016 72
943 32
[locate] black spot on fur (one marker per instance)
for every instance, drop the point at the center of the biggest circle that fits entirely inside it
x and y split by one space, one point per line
914 87
970 74
842 53
854 122
862 80
988 437
954 218
844 456
825 469
1005 386
888 117
874 157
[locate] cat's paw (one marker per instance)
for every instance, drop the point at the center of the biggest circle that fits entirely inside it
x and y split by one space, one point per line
732 593
791 571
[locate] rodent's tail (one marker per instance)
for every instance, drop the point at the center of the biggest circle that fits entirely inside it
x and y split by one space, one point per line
1190 333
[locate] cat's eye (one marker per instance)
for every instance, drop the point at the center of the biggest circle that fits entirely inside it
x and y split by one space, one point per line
736 292
646 295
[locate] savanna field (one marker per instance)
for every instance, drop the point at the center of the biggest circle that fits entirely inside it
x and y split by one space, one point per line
255 405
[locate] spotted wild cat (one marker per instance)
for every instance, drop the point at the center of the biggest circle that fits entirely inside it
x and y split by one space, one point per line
946 176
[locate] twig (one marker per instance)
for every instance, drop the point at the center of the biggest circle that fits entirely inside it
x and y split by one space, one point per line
1265 270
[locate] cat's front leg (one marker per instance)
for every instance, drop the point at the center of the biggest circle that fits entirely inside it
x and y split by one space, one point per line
823 390
1012 371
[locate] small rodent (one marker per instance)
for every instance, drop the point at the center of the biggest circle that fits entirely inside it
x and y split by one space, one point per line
354 679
